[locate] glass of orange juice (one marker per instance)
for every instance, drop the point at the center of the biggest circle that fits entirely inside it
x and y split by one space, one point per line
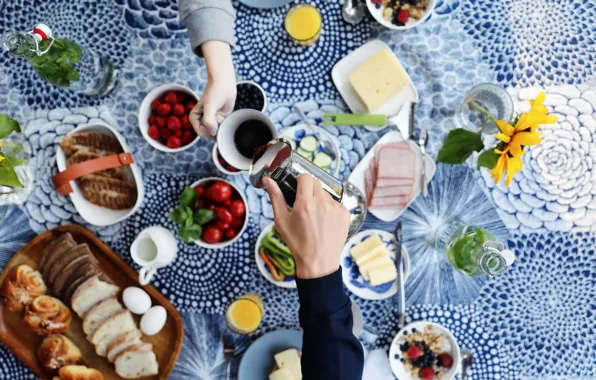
304 23
245 314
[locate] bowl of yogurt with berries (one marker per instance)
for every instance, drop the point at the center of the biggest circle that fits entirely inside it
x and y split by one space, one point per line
426 351
400 14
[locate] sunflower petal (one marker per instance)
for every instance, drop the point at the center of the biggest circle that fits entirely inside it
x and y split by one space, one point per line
502 137
516 150
526 138
499 169
514 165
505 127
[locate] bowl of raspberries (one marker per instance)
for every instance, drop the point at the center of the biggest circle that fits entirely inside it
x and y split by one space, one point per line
426 351
400 14
163 118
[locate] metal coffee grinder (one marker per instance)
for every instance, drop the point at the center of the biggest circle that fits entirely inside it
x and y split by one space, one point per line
278 161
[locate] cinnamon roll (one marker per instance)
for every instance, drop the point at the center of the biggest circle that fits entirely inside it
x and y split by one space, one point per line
56 351
47 315
21 286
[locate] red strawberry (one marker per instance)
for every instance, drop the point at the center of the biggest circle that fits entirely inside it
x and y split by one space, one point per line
190 105
185 122
403 16
164 109
181 97
377 1
174 123
187 137
153 132
165 134
178 133
426 373
178 110
446 360
174 142
152 119
414 352
155 104
171 98
160 121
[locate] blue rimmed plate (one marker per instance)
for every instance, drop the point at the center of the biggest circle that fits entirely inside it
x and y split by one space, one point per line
258 360
289 282
265 4
300 131
351 275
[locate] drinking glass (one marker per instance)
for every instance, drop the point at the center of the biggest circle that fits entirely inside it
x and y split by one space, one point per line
245 314
304 23
492 98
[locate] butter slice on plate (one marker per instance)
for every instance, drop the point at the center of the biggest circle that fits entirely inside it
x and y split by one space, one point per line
289 360
381 275
378 79
366 246
281 374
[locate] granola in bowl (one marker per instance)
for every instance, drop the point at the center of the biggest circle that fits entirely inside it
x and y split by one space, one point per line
424 350
400 14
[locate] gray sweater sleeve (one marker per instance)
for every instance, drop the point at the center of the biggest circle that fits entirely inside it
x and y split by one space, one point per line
207 20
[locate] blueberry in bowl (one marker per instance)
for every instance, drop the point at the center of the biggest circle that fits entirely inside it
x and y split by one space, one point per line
250 96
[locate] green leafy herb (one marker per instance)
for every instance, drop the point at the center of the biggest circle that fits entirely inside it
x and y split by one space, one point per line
459 145
190 233
203 216
8 125
188 197
488 159
8 177
57 66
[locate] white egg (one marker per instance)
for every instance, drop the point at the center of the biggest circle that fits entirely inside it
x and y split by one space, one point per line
136 300
153 320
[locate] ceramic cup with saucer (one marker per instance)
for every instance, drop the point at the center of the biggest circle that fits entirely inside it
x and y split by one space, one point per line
244 130
154 248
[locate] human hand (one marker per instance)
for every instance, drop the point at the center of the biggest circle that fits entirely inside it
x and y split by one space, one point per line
315 229
219 96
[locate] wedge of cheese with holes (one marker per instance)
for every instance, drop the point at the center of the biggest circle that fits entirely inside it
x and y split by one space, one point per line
381 262
378 79
281 374
366 246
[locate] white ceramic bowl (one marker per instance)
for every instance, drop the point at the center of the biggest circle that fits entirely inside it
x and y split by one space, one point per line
145 112
227 129
94 214
378 15
219 166
266 101
398 368
200 242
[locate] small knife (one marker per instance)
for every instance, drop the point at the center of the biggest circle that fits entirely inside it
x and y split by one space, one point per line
401 296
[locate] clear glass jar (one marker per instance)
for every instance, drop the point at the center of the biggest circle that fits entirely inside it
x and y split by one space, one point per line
490 98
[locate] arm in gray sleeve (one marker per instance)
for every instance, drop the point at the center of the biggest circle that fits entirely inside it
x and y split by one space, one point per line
208 20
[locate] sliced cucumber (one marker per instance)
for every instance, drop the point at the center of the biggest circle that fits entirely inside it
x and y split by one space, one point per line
323 160
304 153
309 143
291 142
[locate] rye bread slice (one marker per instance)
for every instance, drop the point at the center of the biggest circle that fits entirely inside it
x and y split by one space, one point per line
70 273
61 244
72 255
84 274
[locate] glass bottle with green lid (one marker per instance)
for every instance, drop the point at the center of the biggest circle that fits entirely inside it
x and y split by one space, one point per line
62 62
472 250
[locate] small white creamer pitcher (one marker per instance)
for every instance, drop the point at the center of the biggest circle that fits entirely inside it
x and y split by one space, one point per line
154 248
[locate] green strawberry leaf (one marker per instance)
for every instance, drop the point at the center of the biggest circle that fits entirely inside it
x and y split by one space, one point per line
459 145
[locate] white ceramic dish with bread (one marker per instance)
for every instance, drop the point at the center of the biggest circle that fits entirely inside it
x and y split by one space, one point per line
92 213
347 65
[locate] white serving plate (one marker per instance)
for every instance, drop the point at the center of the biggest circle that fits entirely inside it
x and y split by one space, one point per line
347 65
93 214
398 368
357 176
261 264
320 134
378 15
351 276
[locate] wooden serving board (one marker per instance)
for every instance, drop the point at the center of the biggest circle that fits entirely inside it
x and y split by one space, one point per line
23 342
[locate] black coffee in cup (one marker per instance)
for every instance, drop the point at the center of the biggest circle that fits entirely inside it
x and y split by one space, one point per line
250 135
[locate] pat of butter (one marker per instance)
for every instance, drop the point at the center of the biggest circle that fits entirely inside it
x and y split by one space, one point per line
375 254
281 374
290 360
366 246
381 262
378 79
382 275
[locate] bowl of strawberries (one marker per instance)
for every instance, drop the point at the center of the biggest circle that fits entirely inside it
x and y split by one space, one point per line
212 213
163 118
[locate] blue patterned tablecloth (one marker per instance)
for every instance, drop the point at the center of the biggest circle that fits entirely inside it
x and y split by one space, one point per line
537 321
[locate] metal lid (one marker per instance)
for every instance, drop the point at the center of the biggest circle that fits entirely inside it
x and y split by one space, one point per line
270 160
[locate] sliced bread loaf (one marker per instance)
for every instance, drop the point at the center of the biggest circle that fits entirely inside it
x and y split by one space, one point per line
81 275
71 273
61 244
99 314
118 324
136 362
70 257
90 293
123 343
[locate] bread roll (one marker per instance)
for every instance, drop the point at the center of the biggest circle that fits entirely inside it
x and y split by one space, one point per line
21 286
47 315
57 351
79 372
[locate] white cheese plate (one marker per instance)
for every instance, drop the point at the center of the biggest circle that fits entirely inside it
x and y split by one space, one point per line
347 65
389 214
94 214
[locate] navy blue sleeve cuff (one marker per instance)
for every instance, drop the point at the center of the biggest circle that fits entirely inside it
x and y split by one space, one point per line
323 295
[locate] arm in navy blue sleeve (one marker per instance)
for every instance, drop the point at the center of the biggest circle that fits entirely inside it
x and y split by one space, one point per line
330 350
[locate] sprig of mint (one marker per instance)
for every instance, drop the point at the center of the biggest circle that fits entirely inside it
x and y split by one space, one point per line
191 221
57 66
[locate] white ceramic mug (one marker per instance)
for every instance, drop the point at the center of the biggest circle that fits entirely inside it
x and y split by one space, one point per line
227 129
154 248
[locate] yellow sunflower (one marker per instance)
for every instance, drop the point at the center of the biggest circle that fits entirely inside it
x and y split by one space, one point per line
515 137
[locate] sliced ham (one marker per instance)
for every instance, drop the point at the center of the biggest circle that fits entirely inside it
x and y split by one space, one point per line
396 163
392 191
398 202
390 182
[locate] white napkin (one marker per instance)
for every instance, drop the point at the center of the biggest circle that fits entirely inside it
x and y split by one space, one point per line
376 366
